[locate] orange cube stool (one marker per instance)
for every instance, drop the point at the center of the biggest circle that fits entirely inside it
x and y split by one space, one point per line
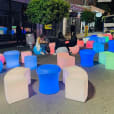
52 48
25 53
65 60
80 43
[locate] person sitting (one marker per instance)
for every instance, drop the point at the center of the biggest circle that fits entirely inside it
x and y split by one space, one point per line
60 44
41 44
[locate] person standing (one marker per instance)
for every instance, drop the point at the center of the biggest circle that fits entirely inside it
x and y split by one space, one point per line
18 34
73 28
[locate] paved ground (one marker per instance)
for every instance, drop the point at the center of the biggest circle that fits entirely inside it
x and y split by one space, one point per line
100 98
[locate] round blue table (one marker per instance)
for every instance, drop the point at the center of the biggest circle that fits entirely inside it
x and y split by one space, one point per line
87 57
48 75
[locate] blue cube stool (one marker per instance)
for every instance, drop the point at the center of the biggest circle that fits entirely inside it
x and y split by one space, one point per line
111 45
87 57
101 40
12 58
30 62
1 66
48 75
98 47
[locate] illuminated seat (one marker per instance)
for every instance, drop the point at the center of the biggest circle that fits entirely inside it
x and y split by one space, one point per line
76 83
16 83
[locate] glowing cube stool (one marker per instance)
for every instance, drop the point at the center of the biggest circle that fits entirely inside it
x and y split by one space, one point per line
1 66
102 57
25 53
30 62
52 48
80 43
76 83
98 47
12 58
109 64
65 60
106 38
101 40
87 57
16 83
109 35
48 75
111 45
2 58
61 50
89 44
74 50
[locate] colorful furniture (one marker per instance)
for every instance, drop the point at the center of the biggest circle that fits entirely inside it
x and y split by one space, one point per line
80 43
101 40
1 66
76 83
25 53
16 83
74 50
2 58
48 75
102 56
98 47
87 57
109 63
52 48
106 38
89 44
111 45
30 62
65 60
109 35
12 58
62 50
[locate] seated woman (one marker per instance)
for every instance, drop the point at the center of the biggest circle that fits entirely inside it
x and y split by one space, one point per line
40 47
60 44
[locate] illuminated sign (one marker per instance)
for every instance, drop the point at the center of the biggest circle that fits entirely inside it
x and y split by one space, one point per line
49 26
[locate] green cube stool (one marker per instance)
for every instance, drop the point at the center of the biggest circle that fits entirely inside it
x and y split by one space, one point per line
109 61
106 38
102 56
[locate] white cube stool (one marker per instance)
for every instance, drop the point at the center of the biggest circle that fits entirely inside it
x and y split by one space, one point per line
76 83
16 83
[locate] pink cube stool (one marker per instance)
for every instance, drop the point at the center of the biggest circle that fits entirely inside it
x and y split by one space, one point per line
65 60
89 44
74 49
2 58
110 36
25 53
80 43
52 48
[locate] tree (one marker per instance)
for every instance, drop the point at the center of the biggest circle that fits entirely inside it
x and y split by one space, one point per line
47 11
87 16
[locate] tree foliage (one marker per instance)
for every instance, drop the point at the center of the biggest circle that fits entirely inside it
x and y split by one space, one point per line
47 11
87 16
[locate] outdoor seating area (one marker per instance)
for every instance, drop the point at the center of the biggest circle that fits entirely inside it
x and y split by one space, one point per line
65 76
